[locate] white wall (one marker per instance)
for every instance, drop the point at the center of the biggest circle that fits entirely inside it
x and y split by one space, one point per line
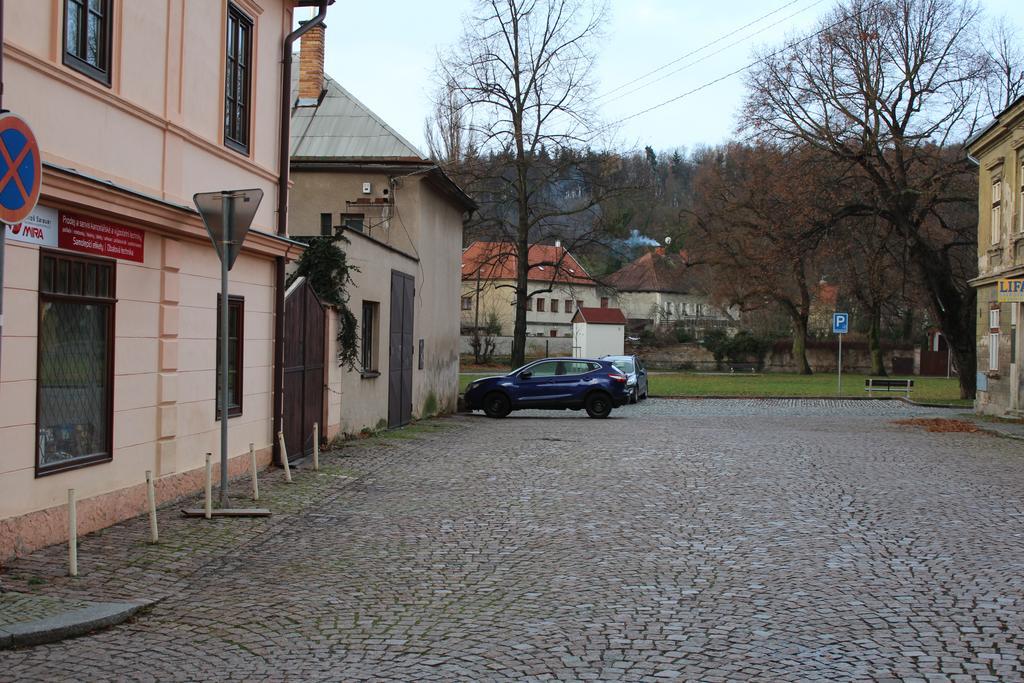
592 341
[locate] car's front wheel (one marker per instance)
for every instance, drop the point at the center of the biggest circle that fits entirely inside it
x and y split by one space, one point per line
598 405
497 404
633 395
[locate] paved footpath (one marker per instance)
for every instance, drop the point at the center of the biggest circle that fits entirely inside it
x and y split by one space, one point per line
701 540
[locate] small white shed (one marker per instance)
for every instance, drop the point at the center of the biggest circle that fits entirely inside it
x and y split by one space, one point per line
598 332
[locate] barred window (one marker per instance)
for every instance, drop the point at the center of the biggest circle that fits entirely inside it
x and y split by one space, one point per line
75 398
236 323
369 335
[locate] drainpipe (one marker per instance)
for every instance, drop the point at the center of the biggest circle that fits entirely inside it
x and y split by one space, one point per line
284 160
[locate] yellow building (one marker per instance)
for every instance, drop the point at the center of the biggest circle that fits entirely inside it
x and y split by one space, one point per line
999 152
402 217
558 286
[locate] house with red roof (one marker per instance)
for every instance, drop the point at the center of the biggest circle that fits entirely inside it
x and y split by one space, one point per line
598 332
662 288
558 286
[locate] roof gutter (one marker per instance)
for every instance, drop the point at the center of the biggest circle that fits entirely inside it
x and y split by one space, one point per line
280 263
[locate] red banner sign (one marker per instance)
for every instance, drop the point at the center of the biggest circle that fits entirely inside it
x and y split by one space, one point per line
95 236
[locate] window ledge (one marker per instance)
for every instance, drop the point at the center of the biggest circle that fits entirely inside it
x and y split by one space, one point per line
369 374
993 374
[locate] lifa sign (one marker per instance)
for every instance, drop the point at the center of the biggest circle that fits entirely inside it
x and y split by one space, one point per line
1010 291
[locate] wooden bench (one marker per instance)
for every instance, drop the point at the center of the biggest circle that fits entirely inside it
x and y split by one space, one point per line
742 367
875 384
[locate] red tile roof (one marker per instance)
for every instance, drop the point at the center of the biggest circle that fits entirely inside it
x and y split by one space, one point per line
828 294
656 271
498 261
599 316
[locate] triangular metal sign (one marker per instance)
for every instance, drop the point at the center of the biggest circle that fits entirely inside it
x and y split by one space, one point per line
228 235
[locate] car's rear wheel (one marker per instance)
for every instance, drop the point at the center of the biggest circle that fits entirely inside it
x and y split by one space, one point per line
598 405
496 404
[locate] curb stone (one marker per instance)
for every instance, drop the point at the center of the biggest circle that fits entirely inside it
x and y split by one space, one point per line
70 624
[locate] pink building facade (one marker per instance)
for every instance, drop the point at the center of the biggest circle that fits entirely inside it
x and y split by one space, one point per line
111 289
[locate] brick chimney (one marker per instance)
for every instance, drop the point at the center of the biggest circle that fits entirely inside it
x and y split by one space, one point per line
311 65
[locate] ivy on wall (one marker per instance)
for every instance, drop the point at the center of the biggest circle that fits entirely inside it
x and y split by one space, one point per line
325 265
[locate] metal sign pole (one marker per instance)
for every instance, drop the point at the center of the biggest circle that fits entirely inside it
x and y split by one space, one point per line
840 365
229 225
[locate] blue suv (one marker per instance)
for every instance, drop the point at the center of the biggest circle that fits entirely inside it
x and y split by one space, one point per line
553 383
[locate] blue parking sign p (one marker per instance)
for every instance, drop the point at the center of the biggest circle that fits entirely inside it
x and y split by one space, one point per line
840 323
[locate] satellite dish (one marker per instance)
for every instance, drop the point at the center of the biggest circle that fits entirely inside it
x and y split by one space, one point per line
668 241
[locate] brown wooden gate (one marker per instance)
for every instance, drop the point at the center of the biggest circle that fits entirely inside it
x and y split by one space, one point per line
935 356
304 347
400 356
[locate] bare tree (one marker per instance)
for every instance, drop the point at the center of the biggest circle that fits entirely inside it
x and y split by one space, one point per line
868 262
891 87
1006 65
446 129
759 213
523 71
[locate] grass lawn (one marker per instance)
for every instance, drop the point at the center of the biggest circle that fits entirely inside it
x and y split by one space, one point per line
927 389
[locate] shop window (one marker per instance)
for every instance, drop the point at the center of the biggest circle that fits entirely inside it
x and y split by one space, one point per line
326 224
368 346
237 80
75 398
87 32
540 305
353 221
236 322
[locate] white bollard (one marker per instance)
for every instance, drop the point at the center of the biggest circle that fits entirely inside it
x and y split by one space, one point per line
209 486
72 534
284 458
316 446
154 534
255 475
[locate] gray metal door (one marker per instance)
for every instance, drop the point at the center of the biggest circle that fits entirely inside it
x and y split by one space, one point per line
400 356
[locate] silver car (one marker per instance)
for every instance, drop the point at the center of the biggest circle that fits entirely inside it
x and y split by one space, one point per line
636 374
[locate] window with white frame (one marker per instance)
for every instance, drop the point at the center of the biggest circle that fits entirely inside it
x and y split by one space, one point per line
993 339
1014 307
997 210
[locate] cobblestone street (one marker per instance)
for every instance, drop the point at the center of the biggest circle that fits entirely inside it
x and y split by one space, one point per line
704 540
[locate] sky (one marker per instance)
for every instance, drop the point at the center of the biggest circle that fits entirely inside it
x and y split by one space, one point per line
386 57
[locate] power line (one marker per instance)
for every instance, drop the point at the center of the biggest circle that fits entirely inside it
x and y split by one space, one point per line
699 49
716 52
751 65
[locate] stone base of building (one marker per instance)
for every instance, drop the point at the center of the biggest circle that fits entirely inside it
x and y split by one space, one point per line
24 534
